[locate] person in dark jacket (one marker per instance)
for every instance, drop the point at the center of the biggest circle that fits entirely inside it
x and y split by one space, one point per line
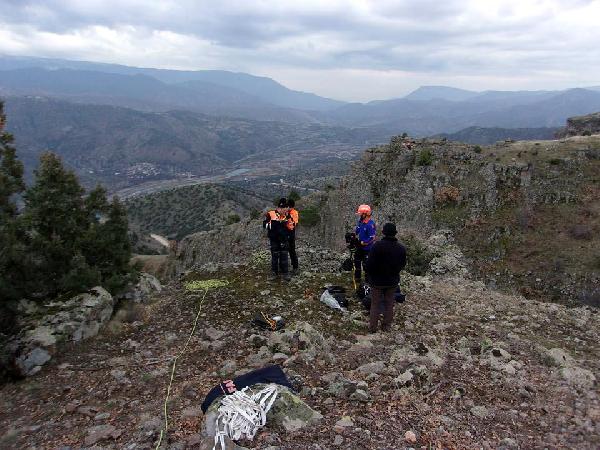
275 223
386 259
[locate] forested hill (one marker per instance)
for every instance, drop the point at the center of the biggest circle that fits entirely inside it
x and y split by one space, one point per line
178 212
120 146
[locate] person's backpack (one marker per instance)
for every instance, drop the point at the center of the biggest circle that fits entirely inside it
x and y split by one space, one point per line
363 292
339 293
347 265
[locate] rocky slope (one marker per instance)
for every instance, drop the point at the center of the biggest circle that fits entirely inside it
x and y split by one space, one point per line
464 367
526 214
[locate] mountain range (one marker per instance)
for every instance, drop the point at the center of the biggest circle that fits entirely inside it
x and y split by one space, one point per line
425 111
125 125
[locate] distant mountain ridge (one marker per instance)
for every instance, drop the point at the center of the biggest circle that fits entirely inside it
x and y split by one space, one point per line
263 88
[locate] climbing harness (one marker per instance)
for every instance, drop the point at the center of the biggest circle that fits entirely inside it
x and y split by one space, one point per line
241 415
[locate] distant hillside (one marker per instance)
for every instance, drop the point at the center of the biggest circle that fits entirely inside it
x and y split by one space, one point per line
120 147
485 136
262 88
178 212
142 92
491 109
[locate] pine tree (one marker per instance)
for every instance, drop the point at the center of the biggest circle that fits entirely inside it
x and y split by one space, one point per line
107 246
56 219
11 249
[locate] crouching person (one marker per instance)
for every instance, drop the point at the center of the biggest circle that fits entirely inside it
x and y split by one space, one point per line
386 259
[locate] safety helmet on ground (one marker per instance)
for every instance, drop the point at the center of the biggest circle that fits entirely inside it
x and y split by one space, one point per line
363 209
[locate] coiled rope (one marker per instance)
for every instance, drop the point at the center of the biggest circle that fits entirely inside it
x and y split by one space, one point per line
242 415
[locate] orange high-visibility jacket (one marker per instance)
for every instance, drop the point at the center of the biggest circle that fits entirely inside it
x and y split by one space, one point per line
293 220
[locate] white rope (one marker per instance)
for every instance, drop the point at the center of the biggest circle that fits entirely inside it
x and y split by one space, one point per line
242 415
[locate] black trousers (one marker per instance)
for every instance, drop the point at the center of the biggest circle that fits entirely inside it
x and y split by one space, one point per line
360 262
292 249
279 256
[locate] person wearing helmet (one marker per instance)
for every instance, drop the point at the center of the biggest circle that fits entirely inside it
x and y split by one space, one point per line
292 223
275 223
365 235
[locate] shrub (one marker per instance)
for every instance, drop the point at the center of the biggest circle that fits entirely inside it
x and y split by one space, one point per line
587 133
477 149
554 161
418 257
425 158
232 218
447 194
310 216
293 195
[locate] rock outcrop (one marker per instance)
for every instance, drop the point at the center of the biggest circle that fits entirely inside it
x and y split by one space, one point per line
74 320
581 126
48 326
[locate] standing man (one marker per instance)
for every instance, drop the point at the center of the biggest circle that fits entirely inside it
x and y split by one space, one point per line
365 235
386 259
276 225
292 223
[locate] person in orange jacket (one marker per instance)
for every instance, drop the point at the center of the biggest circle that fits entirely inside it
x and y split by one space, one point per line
292 223
275 223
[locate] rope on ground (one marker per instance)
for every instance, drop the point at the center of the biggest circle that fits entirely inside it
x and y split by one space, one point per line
197 285
242 415
164 431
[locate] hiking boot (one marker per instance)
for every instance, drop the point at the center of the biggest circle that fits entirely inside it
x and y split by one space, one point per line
286 276
386 328
273 277
295 271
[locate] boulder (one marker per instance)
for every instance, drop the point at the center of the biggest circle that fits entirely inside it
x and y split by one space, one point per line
141 292
79 318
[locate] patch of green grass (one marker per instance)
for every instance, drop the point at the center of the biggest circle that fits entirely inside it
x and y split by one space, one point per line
450 215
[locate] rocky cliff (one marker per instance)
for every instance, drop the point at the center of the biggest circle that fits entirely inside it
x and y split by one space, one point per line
526 214
581 126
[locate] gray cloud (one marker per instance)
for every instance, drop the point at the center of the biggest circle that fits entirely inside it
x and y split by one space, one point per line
548 40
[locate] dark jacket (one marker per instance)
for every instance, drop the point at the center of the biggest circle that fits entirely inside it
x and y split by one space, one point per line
276 226
386 259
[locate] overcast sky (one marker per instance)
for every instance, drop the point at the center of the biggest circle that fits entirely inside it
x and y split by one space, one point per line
347 49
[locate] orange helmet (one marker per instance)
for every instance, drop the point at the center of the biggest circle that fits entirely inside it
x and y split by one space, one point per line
363 209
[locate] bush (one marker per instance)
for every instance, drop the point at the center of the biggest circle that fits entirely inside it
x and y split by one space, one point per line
554 161
477 149
425 158
233 218
418 257
587 133
293 195
310 216
447 194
